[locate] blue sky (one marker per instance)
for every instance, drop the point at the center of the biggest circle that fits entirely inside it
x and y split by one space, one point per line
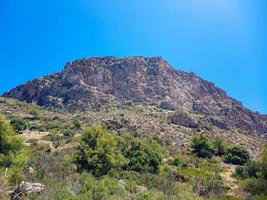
223 41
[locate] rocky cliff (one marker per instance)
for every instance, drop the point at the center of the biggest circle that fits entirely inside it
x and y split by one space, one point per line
87 84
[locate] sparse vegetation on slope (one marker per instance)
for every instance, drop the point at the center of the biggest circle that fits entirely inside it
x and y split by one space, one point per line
122 151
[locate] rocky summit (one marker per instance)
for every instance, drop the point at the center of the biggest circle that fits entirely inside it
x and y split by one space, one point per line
92 83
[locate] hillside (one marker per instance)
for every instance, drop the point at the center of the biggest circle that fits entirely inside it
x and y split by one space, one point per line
52 140
142 120
92 83
129 129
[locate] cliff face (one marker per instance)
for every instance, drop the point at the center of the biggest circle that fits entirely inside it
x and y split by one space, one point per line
90 83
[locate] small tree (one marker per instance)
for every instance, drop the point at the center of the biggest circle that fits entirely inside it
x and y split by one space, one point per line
143 157
19 124
219 146
98 152
236 154
201 146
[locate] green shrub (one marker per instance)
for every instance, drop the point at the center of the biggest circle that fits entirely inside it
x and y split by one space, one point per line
77 123
255 180
241 172
68 133
236 154
255 185
143 157
98 152
19 124
219 146
208 185
252 168
177 161
56 139
98 189
10 144
261 197
201 146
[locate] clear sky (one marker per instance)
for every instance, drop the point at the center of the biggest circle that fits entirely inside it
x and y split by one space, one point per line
223 41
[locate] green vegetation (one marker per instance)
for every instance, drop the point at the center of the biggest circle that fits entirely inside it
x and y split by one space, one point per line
253 176
142 157
10 144
219 146
76 159
19 124
201 147
77 123
236 154
98 152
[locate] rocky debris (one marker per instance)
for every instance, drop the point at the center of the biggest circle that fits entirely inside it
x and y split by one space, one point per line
91 83
122 184
140 188
183 119
26 188
30 170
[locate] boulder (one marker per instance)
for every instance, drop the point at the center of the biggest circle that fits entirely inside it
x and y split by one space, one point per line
26 188
167 105
140 189
183 119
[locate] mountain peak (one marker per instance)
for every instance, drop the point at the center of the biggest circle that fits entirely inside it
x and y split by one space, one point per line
90 83
105 60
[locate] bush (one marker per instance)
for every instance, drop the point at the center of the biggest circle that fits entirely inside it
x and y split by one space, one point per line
56 139
208 185
98 152
241 172
177 161
254 175
236 154
219 146
98 189
68 133
57 166
253 168
19 124
10 145
77 123
255 185
143 157
201 146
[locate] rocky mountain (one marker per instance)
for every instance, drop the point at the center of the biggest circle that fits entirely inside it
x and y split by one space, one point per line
91 83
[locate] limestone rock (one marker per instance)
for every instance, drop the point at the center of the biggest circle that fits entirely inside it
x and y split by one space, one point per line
183 120
26 188
91 83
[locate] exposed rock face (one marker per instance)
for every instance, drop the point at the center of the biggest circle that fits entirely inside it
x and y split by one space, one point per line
90 83
183 120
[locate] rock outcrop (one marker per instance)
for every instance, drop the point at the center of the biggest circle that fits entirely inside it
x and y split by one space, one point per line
26 188
87 84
